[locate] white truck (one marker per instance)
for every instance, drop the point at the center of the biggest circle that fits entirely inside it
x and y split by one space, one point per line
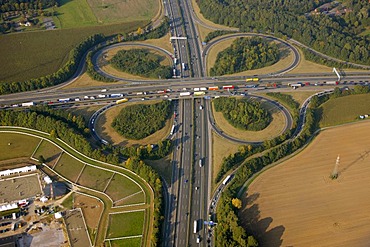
27 104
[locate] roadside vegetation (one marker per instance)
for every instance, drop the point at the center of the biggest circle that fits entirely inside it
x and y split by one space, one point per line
337 35
242 113
245 54
141 62
215 34
140 121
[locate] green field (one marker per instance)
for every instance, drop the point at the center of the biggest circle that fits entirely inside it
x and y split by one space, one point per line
75 13
121 187
16 145
48 150
132 242
110 11
344 109
132 199
35 54
132 226
69 167
94 178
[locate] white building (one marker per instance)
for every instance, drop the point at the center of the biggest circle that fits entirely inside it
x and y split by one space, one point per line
14 171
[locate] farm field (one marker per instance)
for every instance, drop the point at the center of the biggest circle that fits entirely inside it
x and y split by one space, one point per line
94 178
344 109
74 13
121 187
296 203
48 49
49 151
133 220
68 167
16 145
275 128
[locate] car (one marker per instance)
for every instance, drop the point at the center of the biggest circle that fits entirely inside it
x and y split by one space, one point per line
198 239
196 187
186 180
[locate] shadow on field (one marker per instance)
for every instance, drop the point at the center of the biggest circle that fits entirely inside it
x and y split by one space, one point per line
251 220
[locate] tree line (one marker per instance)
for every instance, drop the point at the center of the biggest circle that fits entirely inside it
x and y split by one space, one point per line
245 54
336 36
215 34
243 114
62 75
139 121
141 62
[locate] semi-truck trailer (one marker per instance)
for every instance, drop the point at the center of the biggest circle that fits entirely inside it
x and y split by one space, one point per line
332 82
121 101
185 94
28 104
195 226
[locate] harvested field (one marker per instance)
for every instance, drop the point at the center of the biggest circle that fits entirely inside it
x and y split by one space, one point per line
77 232
17 145
133 226
68 167
94 178
297 204
18 188
49 151
275 128
121 187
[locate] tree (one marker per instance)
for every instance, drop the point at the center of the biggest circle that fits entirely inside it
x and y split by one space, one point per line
41 159
237 203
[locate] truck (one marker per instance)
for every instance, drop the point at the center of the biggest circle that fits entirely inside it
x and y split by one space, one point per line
196 89
213 88
185 94
332 82
121 101
295 85
228 87
172 130
27 104
102 96
64 100
226 180
175 61
199 93
252 79
203 89
200 163
162 91
195 226
183 65
116 95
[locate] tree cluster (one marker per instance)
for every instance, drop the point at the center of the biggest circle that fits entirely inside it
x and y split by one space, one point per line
243 114
62 75
245 54
92 72
215 34
141 62
139 121
336 36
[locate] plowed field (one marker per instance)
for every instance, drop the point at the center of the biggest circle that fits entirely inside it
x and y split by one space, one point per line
297 204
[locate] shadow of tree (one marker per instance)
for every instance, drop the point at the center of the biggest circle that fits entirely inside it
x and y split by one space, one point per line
250 219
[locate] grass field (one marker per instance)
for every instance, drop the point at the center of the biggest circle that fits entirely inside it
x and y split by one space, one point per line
220 149
300 96
75 13
285 61
344 109
126 242
133 224
105 130
68 167
121 187
110 11
94 178
34 54
275 128
49 151
297 204
16 145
